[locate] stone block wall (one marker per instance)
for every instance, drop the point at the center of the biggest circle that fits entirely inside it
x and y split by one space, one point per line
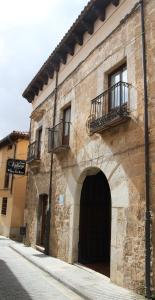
118 152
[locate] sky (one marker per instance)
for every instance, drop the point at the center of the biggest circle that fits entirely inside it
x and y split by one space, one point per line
29 31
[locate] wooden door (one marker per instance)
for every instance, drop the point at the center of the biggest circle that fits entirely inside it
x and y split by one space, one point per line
43 223
41 226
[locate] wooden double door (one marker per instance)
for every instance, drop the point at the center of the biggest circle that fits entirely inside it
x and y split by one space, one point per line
95 221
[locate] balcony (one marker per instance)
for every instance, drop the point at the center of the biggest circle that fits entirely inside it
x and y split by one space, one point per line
33 153
58 137
109 108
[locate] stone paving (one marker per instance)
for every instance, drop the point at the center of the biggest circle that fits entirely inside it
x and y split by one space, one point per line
21 280
85 282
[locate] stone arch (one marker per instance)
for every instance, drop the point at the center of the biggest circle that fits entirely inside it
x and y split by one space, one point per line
89 171
119 187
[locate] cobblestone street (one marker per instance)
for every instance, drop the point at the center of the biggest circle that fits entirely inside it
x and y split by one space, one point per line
19 279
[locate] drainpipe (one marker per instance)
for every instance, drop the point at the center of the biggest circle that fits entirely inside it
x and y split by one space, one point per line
147 175
48 224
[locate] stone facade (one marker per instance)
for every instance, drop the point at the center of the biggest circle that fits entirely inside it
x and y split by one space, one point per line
118 152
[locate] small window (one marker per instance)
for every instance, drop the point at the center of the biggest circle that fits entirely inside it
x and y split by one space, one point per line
66 125
9 147
6 180
39 139
4 206
118 89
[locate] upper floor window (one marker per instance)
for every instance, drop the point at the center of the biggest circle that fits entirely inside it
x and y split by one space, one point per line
6 180
10 147
66 125
4 206
118 91
39 140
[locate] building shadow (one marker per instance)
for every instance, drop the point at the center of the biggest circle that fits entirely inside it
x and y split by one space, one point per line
10 287
3 239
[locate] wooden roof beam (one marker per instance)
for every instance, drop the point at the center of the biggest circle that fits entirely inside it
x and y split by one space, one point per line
69 49
78 38
56 66
39 84
99 12
44 77
115 2
62 57
50 70
36 90
31 95
88 26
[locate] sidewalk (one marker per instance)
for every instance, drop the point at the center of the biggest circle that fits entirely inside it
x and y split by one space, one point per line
85 282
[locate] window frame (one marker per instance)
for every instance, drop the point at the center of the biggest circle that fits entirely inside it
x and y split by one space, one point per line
39 132
66 124
119 70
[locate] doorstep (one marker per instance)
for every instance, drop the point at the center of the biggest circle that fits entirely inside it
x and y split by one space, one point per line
40 248
86 283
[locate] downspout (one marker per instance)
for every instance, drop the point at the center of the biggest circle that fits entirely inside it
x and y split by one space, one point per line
147 175
48 225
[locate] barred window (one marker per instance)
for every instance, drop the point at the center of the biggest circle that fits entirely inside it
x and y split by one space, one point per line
4 206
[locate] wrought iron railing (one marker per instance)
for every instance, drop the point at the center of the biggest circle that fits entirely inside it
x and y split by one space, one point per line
33 152
58 137
109 108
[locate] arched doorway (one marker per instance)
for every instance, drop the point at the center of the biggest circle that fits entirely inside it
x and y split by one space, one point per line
95 224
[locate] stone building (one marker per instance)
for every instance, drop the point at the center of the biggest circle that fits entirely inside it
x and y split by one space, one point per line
91 155
12 186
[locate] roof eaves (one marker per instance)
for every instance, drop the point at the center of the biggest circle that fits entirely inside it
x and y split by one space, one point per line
12 137
89 13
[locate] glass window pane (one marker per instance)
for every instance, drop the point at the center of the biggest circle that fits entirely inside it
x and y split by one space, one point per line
124 75
115 78
118 93
67 116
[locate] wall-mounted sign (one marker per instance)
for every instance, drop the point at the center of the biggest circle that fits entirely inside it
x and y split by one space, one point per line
61 199
16 166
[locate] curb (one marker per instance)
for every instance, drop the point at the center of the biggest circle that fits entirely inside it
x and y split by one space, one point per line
49 273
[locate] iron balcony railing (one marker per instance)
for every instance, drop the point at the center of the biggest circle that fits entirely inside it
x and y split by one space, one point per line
109 108
33 152
58 137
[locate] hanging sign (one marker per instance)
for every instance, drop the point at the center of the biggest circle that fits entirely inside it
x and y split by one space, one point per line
16 166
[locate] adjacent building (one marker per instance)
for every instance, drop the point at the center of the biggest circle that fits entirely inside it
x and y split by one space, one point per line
12 186
91 186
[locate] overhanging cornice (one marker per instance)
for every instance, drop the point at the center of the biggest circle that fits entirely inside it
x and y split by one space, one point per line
85 23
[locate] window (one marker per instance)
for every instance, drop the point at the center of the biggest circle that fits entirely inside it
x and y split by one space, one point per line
6 180
66 125
39 138
118 90
4 206
9 147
